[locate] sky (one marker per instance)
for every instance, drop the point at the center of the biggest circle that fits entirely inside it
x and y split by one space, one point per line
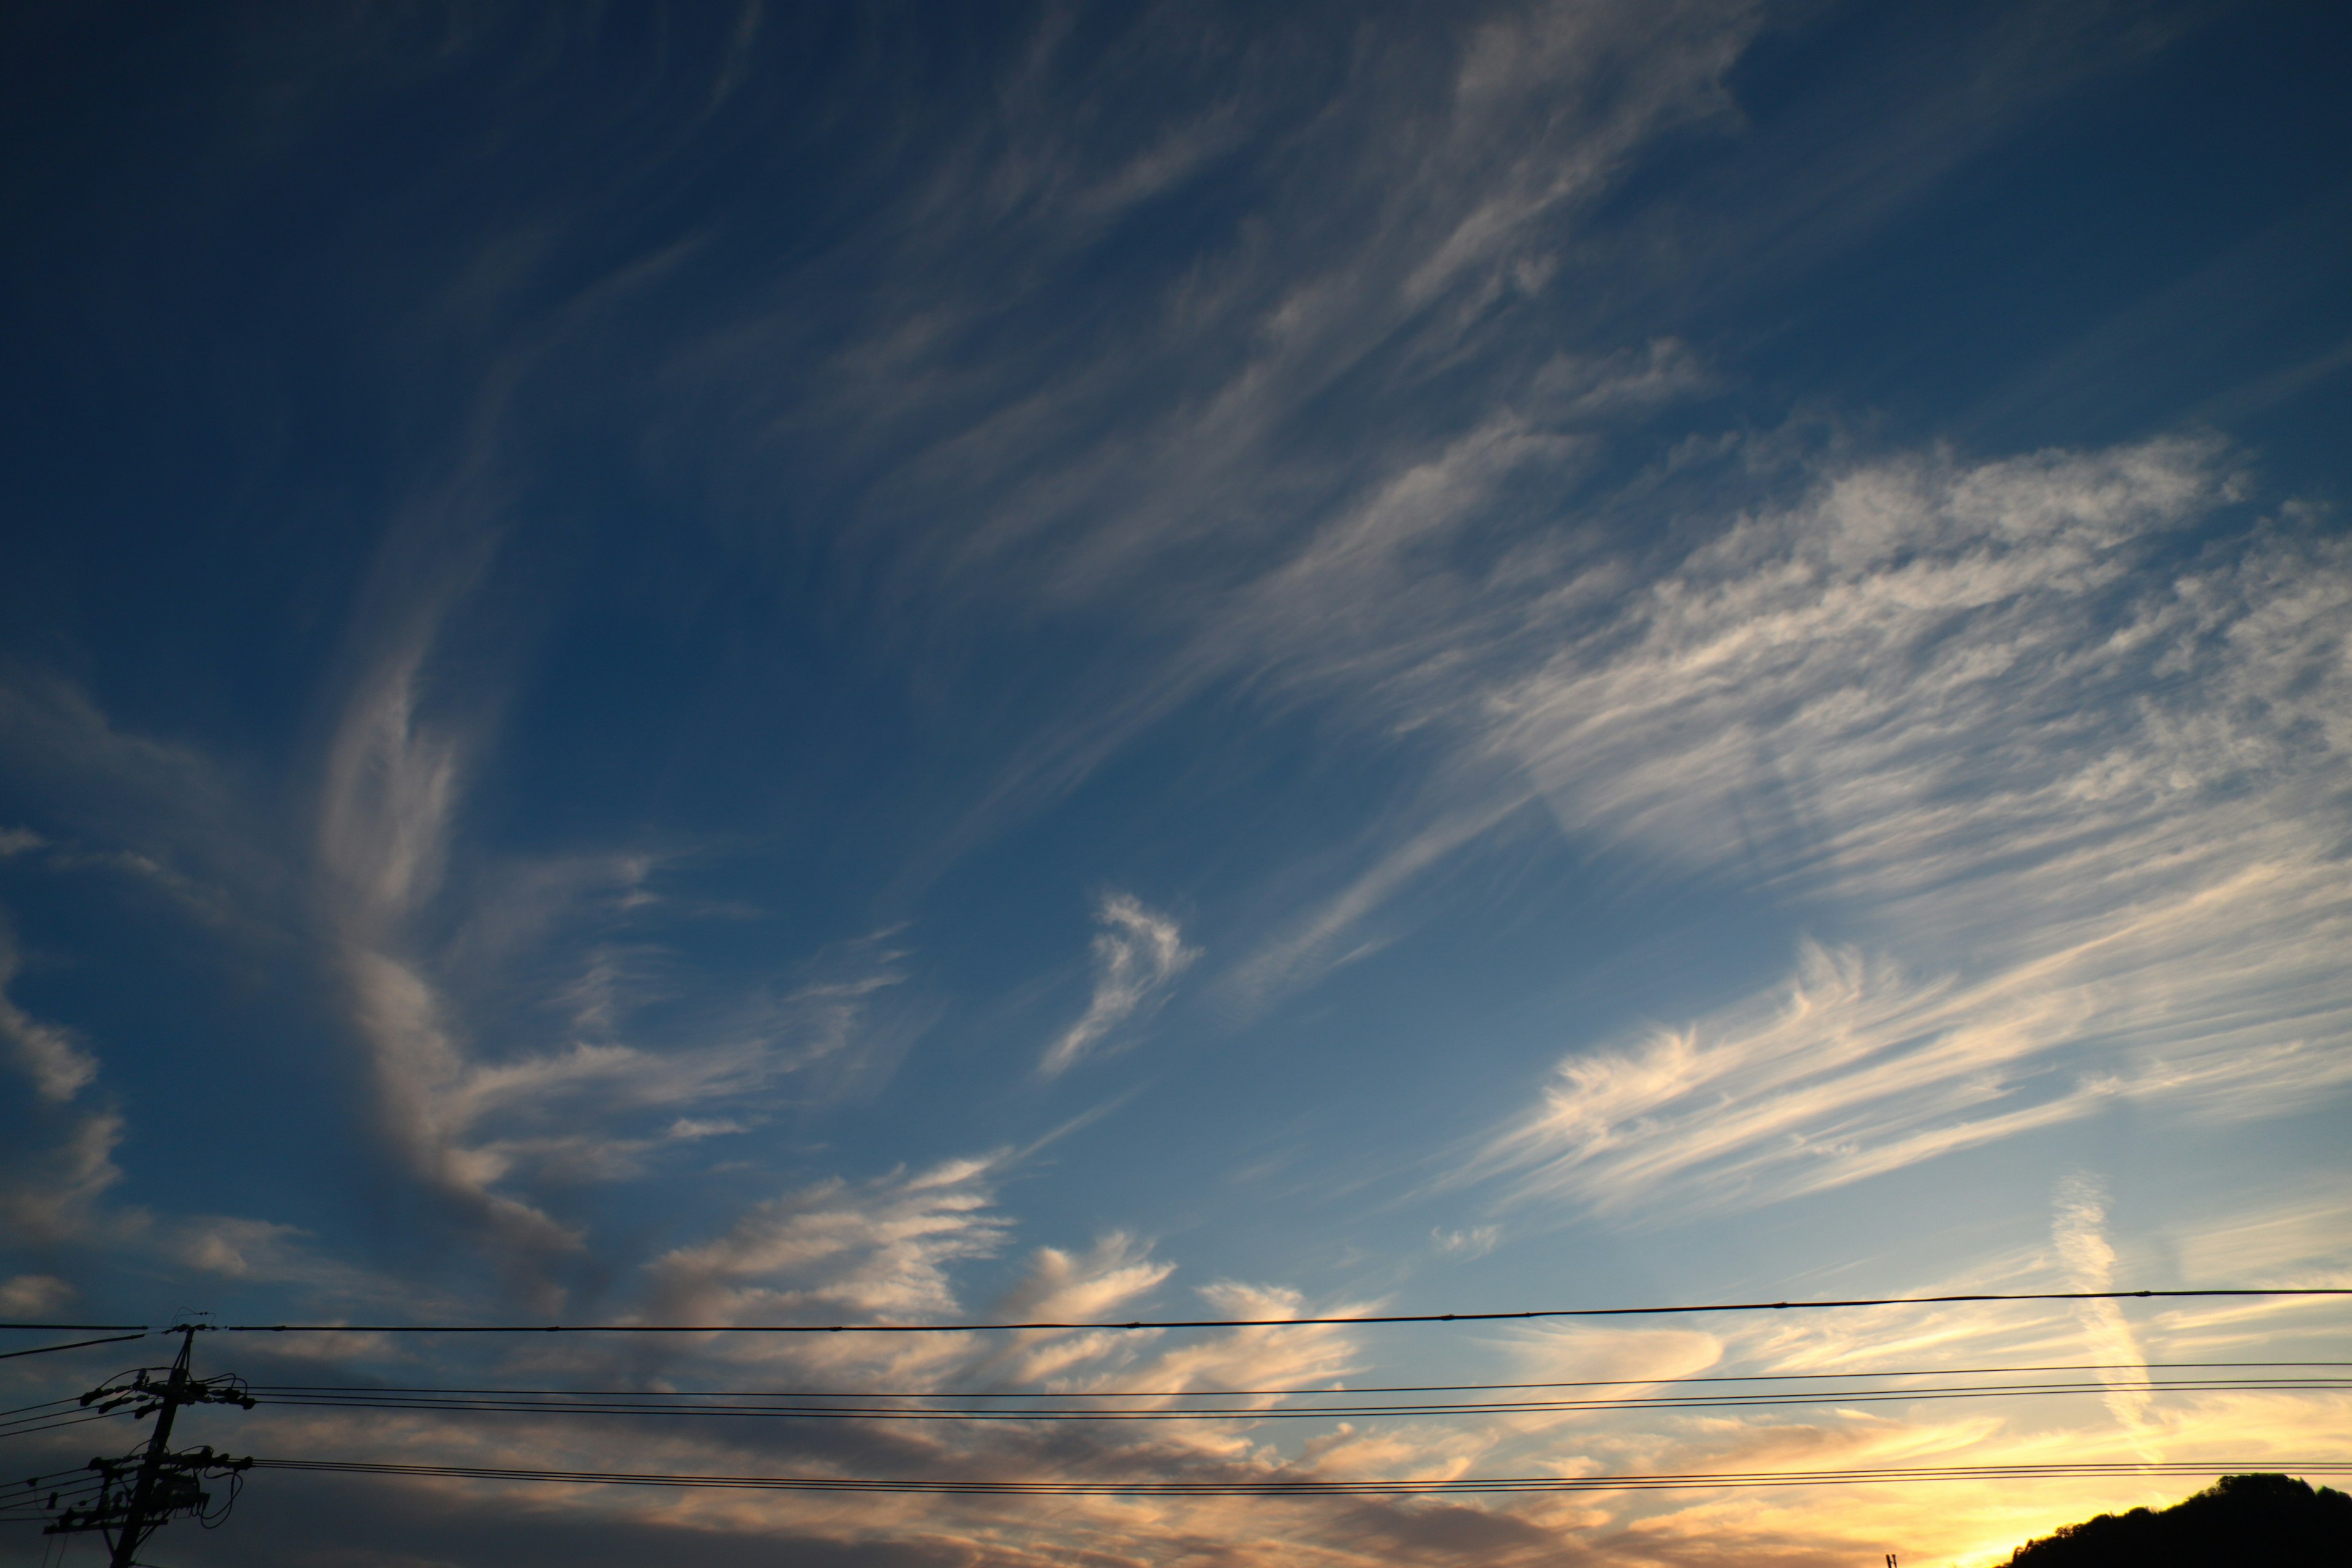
855 663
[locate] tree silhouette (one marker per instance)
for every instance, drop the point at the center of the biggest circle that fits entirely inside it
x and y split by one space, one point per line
2256 1519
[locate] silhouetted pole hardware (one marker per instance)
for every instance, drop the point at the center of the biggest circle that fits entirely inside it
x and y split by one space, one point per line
140 1492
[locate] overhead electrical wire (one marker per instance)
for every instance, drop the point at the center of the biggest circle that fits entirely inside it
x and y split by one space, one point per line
1253 1323
1199 1322
711 1406
33 1502
8 1481
40 1499
1302 1393
65 1481
1330 1403
76 1419
1304 1486
78 1344
31 1419
28 1409
37 1508
68 1416
36 1500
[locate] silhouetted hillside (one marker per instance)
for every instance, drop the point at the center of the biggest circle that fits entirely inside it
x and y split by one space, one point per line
2241 1519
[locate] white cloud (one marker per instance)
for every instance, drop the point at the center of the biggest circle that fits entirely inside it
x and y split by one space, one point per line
877 1250
1093 469
430 943
124 787
258 1251
1137 954
1061 1286
1853 1068
1472 1241
2298 1238
33 1295
58 1067
2078 1232
53 1195
2083 806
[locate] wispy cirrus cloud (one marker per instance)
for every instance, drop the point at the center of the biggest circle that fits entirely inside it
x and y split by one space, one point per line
34 1295
1138 953
59 1065
52 1196
1384 227
2078 1233
1855 1070
2050 785
2298 1237
2071 775
1802 670
453 960
883 1248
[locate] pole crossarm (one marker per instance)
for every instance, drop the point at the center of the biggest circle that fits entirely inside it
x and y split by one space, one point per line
138 1493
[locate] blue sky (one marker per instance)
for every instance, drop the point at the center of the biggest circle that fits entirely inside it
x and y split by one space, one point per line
876 661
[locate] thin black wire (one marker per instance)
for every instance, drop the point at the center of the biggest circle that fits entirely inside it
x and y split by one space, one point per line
218 1517
45 1404
14 1423
61 1420
83 1328
1246 1322
1306 1488
66 1421
1300 1393
78 1344
50 1476
41 1494
71 1413
34 1508
46 1505
649 1407
62 1491
71 1407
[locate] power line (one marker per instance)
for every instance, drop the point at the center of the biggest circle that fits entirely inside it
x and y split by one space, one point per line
1249 1322
74 1420
1302 1393
35 1508
63 1481
650 1406
82 1328
44 1404
78 1344
39 1507
1311 1487
54 1475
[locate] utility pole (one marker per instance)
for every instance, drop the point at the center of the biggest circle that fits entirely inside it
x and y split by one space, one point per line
139 1493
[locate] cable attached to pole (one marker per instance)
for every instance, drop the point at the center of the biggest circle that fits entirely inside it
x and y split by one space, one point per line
1366 1321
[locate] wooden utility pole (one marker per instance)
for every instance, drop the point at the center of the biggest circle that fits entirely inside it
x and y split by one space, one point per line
160 1483
135 1525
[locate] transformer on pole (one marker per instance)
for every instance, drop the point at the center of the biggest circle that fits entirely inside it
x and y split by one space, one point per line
142 1491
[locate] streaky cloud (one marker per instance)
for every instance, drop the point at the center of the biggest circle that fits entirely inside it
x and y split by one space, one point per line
874 1250
2092 801
1138 952
59 1065
2078 1232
